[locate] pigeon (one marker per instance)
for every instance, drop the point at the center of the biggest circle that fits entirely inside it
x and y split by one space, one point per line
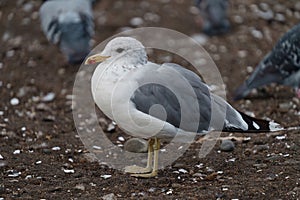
128 88
69 24
280 66
215 17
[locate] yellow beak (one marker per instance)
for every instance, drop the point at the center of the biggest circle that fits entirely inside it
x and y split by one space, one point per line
97 58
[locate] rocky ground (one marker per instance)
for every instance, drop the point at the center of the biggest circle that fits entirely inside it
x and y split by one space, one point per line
42 157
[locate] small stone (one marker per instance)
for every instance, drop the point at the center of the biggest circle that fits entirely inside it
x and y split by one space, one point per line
18 151
110 196
1 157
120 138
257 34
10 53
80 187
183 171
106 176
227 145
55 148
38 162
28 7
111 127
200 38
69 171
14 101
136 145
48 97
280 137
136 21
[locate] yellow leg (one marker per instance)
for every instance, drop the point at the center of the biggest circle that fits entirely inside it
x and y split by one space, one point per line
156 147
141 170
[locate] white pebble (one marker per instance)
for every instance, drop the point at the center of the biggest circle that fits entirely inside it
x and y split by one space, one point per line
242 53
105 176
69 171
280 137
28 177
1 157
280 17
200 38
10 53
121 139
49 97
28 7
38 162
14 101
55 148
71 160
23 128
136 21
96 147
1 113
257 34
249 69
18 151
183 171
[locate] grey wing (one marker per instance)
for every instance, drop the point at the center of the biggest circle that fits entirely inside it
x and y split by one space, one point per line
174 98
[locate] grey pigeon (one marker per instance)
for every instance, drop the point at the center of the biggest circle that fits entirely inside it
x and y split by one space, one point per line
215 17
69 24
281 66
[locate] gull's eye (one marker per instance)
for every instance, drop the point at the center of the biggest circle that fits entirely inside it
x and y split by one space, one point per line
120 50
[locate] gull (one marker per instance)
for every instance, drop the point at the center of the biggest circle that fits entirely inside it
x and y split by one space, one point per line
281 66
159 101
69 24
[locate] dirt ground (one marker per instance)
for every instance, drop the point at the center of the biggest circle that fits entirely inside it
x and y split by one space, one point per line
42 157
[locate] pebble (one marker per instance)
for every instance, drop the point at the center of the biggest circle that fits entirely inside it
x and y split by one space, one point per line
79 187
280 137
69 171
280 17
120 138
106 176
28 7
136 21
14 101
38 162
259 148
110 196
227 145
152 17
10 53
183 171
111 127
18 151
1 157
257 34
200 38
55 148
48 97
136 145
